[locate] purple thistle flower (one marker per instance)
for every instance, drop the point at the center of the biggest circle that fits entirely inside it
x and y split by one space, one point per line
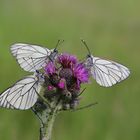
66 79
50 68
67 60
50 87
81 74
61 84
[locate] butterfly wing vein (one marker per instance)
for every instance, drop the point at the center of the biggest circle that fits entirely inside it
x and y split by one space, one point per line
30 57
23 95
107 73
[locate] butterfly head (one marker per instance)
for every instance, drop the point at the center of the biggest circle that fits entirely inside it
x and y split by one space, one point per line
88 56
53 54
89 61
55 51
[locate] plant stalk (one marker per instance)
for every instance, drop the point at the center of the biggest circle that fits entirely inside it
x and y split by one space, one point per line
47 126
47 117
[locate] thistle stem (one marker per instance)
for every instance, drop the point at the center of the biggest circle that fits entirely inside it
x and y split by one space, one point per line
46 128
47 118
45 100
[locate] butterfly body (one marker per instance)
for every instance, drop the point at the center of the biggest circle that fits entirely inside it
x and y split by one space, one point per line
53 55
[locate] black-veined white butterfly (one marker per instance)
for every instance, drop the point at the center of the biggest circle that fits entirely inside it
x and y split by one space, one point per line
33 57
23 94
105 72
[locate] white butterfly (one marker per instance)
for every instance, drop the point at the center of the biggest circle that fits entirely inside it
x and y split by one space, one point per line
23 94
105 72
32 57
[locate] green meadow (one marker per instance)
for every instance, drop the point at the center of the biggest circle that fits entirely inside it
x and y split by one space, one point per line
111 29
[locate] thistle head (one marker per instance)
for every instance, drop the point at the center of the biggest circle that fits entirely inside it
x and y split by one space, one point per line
65 75
50 68
67 60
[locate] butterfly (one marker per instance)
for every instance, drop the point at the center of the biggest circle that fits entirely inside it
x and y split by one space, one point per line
105 72
32 57
23 94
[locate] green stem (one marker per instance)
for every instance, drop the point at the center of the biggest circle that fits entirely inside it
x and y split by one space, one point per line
47 126
47 118
45 100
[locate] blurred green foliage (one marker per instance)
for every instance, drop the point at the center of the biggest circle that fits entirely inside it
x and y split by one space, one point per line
111 29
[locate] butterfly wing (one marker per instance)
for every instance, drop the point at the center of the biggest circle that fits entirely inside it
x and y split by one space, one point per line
3 100
107 73
22 95
30 57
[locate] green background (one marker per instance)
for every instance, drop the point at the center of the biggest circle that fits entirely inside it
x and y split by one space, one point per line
111 29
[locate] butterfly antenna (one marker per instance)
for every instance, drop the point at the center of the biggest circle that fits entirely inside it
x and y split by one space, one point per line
84 107
85 44
58 43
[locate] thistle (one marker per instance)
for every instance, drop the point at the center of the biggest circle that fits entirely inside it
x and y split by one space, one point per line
62 87
55 85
